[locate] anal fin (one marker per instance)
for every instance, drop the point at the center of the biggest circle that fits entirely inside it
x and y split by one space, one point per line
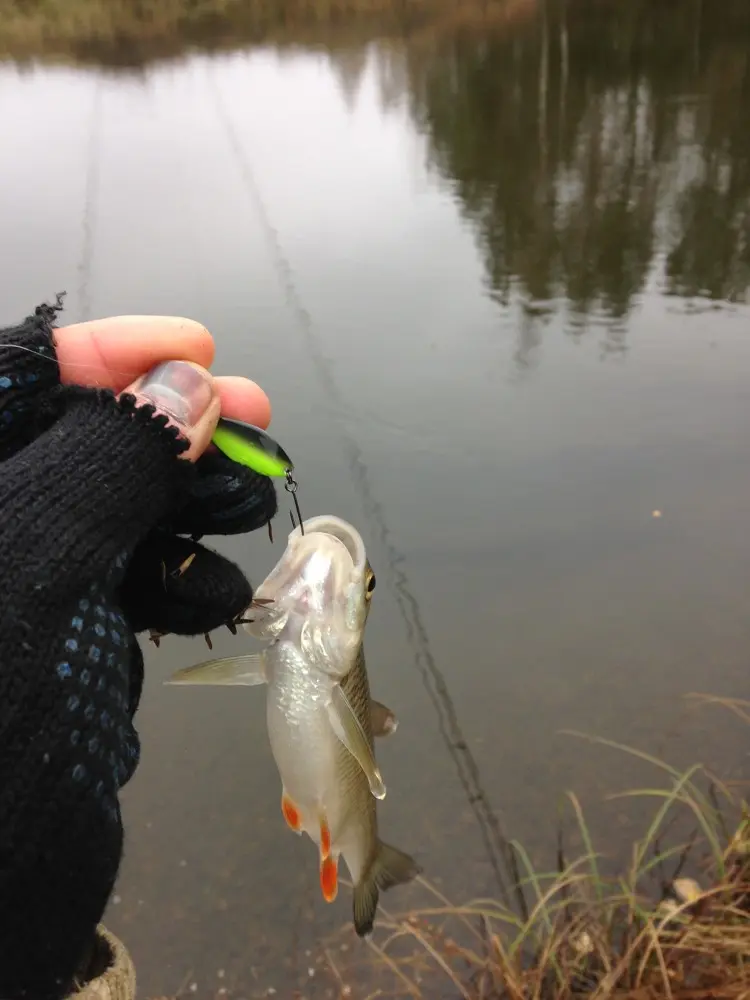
329 878
325 839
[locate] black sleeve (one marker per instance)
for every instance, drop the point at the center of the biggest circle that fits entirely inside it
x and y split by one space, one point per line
85 482
29 378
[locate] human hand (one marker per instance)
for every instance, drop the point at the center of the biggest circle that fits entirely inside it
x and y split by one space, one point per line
97 490
113 353
223 499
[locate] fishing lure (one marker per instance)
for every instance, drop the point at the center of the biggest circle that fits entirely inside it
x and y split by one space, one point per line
248 445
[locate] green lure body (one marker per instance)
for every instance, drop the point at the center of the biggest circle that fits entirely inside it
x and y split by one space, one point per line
249 445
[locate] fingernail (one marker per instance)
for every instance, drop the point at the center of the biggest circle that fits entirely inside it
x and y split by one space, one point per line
176 388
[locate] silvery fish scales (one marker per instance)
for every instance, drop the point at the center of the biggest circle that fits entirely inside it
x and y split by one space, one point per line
320 715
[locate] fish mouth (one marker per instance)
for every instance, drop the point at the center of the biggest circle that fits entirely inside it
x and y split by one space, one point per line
328 524
337 562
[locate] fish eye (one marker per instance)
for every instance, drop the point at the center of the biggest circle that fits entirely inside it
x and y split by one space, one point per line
371 584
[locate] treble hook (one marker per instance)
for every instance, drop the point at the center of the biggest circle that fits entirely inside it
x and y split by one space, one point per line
291 487
253 447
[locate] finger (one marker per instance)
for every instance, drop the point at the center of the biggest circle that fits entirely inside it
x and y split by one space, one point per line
114 352
188 396
243 399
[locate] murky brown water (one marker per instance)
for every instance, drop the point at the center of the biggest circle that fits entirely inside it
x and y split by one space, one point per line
495 284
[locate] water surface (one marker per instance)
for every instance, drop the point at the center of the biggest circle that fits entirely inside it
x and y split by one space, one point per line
495 283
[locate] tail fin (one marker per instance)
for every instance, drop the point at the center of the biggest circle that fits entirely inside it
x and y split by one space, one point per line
389 867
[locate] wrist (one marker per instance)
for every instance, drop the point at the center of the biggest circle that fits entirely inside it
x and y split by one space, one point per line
28 359
109 973
29 379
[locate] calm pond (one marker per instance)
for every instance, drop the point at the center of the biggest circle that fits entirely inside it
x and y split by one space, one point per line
494 280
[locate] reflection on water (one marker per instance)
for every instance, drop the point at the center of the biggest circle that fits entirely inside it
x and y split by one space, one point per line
495 283
598 149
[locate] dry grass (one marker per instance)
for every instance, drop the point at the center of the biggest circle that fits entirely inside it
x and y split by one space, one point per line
651 932
136 32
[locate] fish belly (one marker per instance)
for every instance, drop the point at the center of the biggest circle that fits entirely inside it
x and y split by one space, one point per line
301 737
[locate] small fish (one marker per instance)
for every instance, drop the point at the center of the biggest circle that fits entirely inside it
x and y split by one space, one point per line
321 717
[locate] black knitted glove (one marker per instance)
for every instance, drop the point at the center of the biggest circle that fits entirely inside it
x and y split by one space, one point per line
92 498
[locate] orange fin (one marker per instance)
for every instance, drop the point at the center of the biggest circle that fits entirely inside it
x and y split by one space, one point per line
291 813
325 840
329 878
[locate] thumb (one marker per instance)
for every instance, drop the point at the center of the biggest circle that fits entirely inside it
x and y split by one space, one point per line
187 395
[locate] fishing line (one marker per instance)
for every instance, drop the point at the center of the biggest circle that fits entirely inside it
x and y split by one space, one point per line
53 361
90 199
496 843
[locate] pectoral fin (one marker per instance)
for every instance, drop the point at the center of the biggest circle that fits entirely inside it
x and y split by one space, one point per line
248 670
347 728
290 813
384 721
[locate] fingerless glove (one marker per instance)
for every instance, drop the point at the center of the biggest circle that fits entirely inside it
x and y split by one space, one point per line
97 511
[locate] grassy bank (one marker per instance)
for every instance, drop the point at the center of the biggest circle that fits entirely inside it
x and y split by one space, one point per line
134 32
674 924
